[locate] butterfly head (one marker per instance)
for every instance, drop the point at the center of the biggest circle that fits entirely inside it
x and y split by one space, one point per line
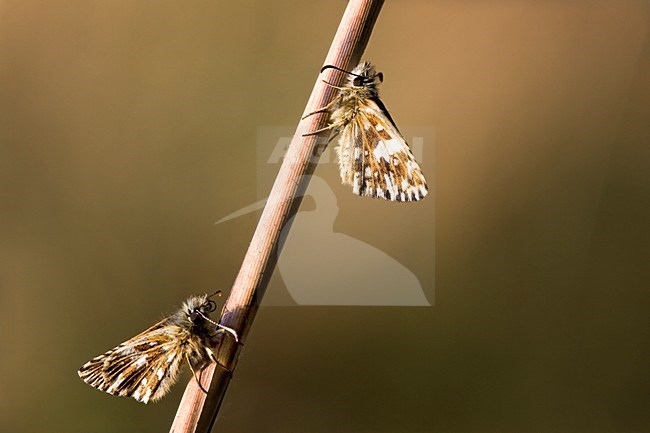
197 308
365 76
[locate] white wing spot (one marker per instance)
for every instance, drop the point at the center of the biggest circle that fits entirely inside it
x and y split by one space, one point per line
160 373
411 166
115 384
141 361
381 151
356 186
395 145
145 399
386 148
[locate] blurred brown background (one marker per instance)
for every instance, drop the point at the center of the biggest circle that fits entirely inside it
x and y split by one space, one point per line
128 128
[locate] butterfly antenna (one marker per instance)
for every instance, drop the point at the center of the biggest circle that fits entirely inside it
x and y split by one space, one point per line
198 379
217 293
225 328
339 69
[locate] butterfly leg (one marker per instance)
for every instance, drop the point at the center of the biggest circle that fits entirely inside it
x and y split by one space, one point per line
320 110
221 327
214 359
224 330
228 330
198 379
318 131
211 355
332 85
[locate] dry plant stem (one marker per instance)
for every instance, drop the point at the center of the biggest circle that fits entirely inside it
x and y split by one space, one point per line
197 411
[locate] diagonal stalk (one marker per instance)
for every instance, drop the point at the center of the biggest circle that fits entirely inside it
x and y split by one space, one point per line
198 411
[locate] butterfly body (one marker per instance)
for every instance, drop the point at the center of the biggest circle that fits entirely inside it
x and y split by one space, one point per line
147 365
374 157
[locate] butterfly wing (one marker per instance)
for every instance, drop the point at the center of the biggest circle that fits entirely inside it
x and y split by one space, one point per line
375 159
144 367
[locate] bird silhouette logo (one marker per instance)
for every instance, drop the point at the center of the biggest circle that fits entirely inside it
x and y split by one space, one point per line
322 267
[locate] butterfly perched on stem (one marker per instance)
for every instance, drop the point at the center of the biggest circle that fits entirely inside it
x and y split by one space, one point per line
373 156
147 365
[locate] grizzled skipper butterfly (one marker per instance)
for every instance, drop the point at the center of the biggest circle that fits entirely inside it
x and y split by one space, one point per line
147 365
373 156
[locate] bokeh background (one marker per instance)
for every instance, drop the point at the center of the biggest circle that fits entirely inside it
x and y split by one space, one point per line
128 128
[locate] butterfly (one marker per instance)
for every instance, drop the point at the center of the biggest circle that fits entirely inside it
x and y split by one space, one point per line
146 366
373 155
